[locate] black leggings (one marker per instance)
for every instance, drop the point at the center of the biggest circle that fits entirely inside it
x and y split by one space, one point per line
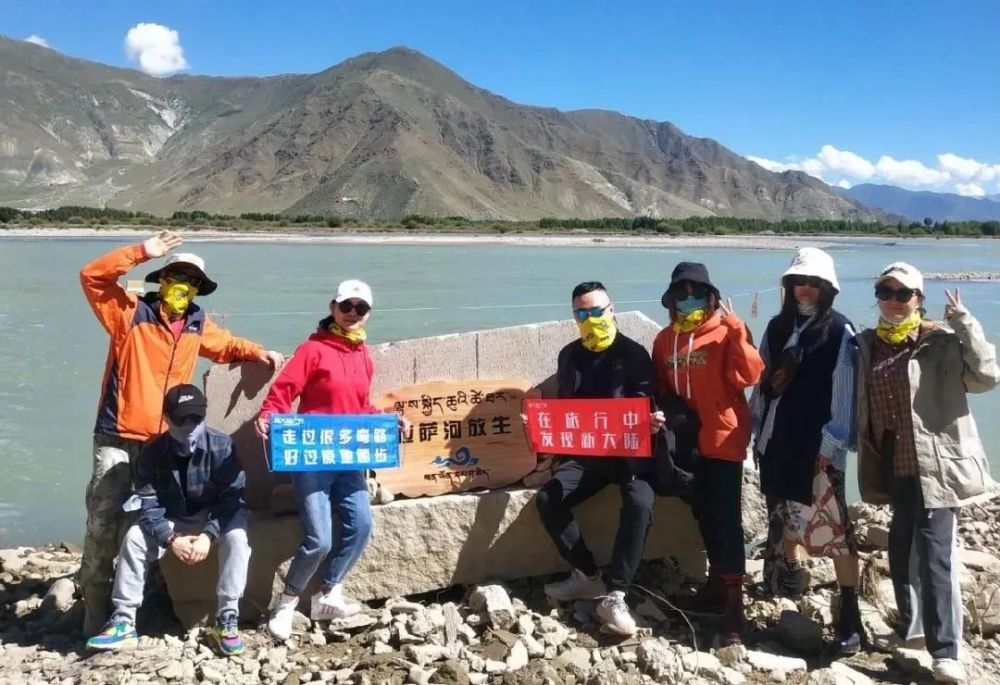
718 506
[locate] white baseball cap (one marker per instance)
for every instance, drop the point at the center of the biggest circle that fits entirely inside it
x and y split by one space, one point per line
812 261
355 289
907 274
207 286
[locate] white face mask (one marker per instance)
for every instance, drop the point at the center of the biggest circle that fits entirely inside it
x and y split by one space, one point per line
186 436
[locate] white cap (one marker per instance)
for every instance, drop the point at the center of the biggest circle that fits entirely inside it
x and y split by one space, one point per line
907 274
207 287
354 289
812 261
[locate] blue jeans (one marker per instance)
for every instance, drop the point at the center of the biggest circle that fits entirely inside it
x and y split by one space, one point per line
319 494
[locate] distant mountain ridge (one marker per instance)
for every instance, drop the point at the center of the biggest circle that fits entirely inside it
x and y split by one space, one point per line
920 204
378 136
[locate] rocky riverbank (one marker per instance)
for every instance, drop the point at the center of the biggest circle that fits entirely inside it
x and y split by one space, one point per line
963 276
504 635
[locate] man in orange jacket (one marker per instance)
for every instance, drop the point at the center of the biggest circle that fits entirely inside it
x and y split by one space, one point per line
156 340
706 357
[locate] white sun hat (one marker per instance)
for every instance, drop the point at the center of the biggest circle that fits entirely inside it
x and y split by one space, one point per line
356 289
907 274
812 261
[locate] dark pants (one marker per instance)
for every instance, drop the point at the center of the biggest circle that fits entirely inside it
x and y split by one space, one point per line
924 568
575 481
718 506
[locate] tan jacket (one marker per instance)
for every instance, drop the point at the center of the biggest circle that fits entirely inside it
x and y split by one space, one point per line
950 360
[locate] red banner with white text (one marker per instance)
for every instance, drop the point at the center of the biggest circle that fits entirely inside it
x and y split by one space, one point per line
590 428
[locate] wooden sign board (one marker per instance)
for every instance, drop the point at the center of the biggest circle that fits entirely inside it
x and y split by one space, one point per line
465 434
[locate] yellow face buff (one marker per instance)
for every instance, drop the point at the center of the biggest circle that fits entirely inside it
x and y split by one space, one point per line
893 333
685 323
176 296
598 332
355 337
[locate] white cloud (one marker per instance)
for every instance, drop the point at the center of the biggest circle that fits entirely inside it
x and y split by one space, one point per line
909 172
970 190
967 169
951 174
37 40
845 162
156 48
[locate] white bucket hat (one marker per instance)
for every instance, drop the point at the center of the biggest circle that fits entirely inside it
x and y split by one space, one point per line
907 274
194 262
354 288
812 261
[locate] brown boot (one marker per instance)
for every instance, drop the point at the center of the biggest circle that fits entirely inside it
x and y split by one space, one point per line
733 617
710 598
97 605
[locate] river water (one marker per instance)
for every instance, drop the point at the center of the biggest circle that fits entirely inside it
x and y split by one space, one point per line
52 350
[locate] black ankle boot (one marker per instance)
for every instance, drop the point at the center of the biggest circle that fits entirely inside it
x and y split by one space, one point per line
849 636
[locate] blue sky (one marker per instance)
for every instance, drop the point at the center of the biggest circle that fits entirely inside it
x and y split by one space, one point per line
884 91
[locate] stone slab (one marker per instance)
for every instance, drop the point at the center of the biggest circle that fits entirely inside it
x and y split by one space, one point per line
426 544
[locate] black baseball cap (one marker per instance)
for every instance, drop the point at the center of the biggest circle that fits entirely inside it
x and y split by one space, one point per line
184 401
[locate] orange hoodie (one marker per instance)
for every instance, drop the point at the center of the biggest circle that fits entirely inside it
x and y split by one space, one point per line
709 368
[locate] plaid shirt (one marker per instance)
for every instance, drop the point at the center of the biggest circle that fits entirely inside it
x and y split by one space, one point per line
889 402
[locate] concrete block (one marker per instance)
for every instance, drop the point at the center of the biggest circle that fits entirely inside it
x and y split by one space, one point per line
449 357
395 365
425 544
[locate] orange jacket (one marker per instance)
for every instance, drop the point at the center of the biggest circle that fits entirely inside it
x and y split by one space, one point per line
710 368
144 360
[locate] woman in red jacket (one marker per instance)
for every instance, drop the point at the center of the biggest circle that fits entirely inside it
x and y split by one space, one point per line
707 358
330 373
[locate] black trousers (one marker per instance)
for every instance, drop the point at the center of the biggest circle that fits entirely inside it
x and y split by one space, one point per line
577 480
924 568
718 506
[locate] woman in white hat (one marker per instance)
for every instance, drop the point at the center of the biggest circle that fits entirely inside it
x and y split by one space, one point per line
803 414
919 451
330 373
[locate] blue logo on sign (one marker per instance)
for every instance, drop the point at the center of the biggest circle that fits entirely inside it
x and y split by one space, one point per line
463 457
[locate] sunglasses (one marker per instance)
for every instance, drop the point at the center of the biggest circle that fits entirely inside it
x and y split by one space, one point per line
182 277
582 315
347 306
799 280
697 291
885 293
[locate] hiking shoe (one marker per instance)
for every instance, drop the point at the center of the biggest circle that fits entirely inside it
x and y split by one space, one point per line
330 605
614 613
948 671
891 642
282 614
116 635
227 634
577 586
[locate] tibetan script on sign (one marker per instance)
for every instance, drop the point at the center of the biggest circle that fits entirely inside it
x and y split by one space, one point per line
590 428
334 442
464 435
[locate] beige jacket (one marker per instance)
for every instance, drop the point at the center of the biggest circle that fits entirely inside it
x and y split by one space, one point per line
950 360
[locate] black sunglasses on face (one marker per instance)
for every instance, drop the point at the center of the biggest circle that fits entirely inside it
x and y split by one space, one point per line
698 291
183 277
799 280
586 313
358 306
885 293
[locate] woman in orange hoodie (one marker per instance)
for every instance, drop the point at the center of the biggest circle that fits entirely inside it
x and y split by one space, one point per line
707 358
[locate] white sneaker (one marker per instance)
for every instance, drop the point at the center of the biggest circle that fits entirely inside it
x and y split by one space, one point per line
577 586
282 614
948 671
890 642
615 613
330 605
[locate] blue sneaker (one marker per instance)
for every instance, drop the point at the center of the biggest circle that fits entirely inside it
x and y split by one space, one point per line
227 634
116 635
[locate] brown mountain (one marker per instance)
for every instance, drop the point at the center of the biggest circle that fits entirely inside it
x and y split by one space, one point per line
393 131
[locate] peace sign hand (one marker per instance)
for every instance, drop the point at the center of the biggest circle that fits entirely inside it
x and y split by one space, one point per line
954 304
727 307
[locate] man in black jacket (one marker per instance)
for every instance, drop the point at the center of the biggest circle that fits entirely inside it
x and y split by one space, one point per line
603 363
189 494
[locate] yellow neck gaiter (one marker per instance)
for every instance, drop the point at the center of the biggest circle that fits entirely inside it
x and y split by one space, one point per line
597 333
685 323
177 297
895 332
355 337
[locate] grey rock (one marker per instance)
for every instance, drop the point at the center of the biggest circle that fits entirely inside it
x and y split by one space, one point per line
657 659
425 654
172 671
59 596
700 662
800 634
731 656
355 622
419 676
838 674
494 601
650 610
768 662
518 657
576 661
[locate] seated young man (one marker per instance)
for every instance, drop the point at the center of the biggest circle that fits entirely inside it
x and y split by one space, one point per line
189 491
603 363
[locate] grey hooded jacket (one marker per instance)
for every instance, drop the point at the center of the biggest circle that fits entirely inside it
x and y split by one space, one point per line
950 360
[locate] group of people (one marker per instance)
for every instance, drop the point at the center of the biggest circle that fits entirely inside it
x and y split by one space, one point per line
895 393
